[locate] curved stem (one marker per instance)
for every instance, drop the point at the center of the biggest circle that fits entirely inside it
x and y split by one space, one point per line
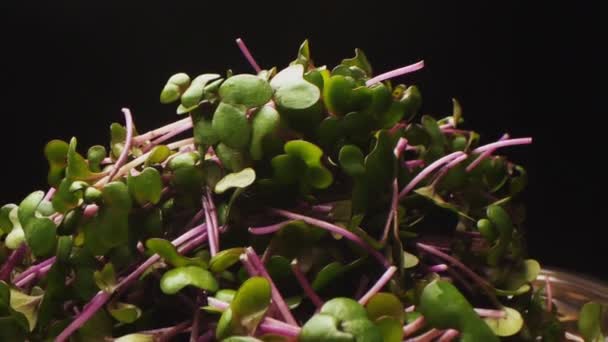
268 229
162 131
503 143
305 284
128 142
449 335
485 154
334 229
428 170
14 259
416 325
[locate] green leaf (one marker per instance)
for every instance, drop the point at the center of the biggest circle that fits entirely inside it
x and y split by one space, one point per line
16 236
176 279
287 169
352 160
430 193
524 273
344 309
231 125
136 338
359 61
501 220
27 305
65 199
124 312
95 155
77 167
247 90
6 225
174 88
106 278
157 155
384 304
327 275
303 57
316 174
40 236
390 328
297 95
265 124
321 327
183 160
338 94
590 322
251 303
231 158
146 186
292 74
224 259
56 152
29 205
203 131
241 339
363 330
508 325
409 260
241 179
194 94
169 253
443 307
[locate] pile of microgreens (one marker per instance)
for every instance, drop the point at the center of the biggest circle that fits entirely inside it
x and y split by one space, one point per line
308 204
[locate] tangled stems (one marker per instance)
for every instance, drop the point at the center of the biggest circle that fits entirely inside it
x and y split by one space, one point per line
128 142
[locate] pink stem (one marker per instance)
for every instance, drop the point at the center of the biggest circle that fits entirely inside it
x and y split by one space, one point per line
485 154
410 164
504 143
305 284
248 55
49 194
322 208
195 325
276 329
276 295
444 170
388 274
14 259
490 313
410 308
216 303
334 229
573 337
33 269
400 147
167 136
449 335
438 268
392 215
102 297
252 271
427 336
394 73
128 141
549 292
428 170
162 130
416 325
213 248
268 229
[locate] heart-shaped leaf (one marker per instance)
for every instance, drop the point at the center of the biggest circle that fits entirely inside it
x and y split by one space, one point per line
56 152
224 259
508 325
231 125
124 312
146 186
176 279
265 123
247 90
169 253
241 179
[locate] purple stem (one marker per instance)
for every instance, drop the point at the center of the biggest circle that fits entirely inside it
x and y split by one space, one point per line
25 282
334 229
504 143
49 194
448 130
434 251
449 335
268 229
410 308
392 214
448 166
251 270
195 324
282 330
248 55
276 295
167 136
400 147
427 336
490 313
416 325
162 130
213 248
102 297
411 164
207 337
573 337
305 284
25 276
549 293
322 208
14 259
394 73
128 141
428 170
212 301
438 268
485 154
388 274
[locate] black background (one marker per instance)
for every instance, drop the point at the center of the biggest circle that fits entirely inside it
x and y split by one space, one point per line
67 69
